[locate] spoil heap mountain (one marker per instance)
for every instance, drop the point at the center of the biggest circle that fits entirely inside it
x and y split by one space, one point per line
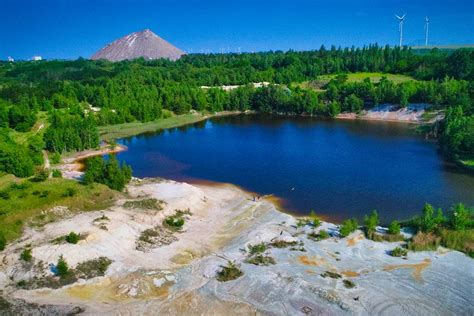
144 44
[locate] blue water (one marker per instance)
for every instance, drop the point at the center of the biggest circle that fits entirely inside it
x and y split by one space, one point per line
338 168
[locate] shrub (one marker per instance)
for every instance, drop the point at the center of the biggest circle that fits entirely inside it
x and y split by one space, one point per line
229 272
319 236
371 221
394 228
461 240
26 255
62 268
3 241
399 252
69 192
73 238
4 194
57 173
258 248
459 217
44 194
348 284
174 222
348 226
40 176
315 221
147 204
55 158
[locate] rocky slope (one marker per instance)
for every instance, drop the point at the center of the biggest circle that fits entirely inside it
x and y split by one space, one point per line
139 44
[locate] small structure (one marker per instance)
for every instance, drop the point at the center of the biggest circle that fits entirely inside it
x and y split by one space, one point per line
36 58
10 59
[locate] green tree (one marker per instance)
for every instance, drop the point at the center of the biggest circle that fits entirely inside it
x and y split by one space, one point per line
62 268
394 228
348 226
460 217
371 221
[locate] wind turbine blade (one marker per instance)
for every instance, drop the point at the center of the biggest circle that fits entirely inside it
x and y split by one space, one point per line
403 16
398 17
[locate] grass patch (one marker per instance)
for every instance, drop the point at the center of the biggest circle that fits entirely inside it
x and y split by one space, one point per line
332 275
424 241
229 272
321 235
260 260
258 248
461 240
384 237
71 238
374 77
282 243
28 200
92 268
111 132
145 204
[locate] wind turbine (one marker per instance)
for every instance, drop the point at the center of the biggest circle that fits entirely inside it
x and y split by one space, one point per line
401 27
427 25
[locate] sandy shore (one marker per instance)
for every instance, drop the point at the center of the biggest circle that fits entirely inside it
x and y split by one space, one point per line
71 166
179 276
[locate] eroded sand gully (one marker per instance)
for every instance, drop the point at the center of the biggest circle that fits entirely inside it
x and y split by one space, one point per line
180 278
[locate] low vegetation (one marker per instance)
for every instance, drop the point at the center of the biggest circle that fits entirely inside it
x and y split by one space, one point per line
260 260
455 231
229 272
176 222
92 268
145 204
256 249
32 201
399 252
348 226
26 255
282 243
321 235
331 274
108 172
348 284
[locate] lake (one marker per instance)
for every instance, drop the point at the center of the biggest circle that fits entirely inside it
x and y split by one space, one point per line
339 168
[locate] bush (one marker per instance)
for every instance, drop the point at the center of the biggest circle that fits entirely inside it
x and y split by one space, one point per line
69 192
348 226
62 268
147 204
461 240
174 222
72 238
330 274
460 217
4 194
258 248
229 272
348 284
3 241
57 173
55 158
40 176
315 221
283 243
394 228
26 255
371 221
399 252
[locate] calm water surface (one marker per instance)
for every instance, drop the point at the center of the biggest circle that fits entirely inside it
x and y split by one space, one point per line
338 168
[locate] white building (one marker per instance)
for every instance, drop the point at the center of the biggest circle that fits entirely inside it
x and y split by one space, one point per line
10 59
36 58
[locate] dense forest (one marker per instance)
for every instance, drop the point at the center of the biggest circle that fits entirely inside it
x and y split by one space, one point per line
77 96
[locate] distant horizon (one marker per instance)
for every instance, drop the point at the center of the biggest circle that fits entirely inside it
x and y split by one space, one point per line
429 47
64 30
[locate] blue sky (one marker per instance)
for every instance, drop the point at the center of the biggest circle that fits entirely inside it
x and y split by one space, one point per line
69 29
